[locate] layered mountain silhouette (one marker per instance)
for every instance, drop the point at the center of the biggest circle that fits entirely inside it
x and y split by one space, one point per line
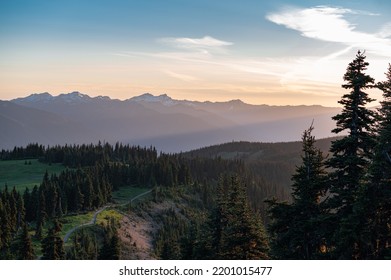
168 124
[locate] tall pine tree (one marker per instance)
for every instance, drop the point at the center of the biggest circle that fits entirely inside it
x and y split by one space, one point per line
296 228
52 244
235 231
25 245
350 159
376 197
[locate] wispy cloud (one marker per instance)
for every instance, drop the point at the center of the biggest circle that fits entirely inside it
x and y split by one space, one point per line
205 44
180 76
330 24
385 32
222 69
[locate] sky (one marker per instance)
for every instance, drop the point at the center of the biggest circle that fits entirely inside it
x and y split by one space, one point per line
262 52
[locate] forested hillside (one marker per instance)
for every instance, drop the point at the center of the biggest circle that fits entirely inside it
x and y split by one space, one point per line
92 173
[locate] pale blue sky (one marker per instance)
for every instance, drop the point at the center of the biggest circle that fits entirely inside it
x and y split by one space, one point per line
274 52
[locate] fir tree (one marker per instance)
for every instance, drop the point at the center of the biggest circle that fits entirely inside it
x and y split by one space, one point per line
52 244
296 227
115 247
5 226
41 214
26 250
236 231
1 223
218 221
376 197
13 211
351 156
84 247
111 244
21 216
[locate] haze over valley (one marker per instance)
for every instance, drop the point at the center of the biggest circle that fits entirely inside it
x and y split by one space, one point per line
168 124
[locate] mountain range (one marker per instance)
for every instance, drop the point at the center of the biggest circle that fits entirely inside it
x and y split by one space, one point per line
168 124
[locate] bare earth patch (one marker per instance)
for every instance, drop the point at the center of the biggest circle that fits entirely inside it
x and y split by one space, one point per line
137 230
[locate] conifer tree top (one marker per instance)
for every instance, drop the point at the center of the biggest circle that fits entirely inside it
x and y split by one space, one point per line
355 76
355 117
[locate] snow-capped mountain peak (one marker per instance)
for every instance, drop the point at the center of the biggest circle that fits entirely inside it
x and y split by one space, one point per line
101 97
37 98
74 96
149 98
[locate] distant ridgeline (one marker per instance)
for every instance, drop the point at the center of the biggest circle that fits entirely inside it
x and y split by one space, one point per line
168 124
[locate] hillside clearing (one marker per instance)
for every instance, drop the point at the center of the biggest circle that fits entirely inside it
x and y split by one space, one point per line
23 174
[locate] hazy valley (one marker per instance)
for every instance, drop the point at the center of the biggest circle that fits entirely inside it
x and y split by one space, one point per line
168 124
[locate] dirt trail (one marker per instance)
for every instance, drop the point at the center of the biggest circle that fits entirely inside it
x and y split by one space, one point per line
93 220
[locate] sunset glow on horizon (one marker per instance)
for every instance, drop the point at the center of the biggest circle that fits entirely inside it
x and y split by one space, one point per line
280 53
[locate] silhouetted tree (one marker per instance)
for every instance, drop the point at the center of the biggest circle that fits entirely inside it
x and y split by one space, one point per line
237 232
375 199
111 244
25 245
296 228
350 159
52 244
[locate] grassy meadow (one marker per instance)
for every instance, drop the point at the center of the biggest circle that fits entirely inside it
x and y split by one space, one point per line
25 173
28 173
126 193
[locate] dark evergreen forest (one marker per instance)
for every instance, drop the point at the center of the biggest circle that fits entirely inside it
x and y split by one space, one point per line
238 200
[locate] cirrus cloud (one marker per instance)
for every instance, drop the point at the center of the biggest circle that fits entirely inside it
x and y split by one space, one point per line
330 24
205 44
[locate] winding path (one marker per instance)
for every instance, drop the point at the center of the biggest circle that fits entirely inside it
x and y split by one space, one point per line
138 196
93 220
